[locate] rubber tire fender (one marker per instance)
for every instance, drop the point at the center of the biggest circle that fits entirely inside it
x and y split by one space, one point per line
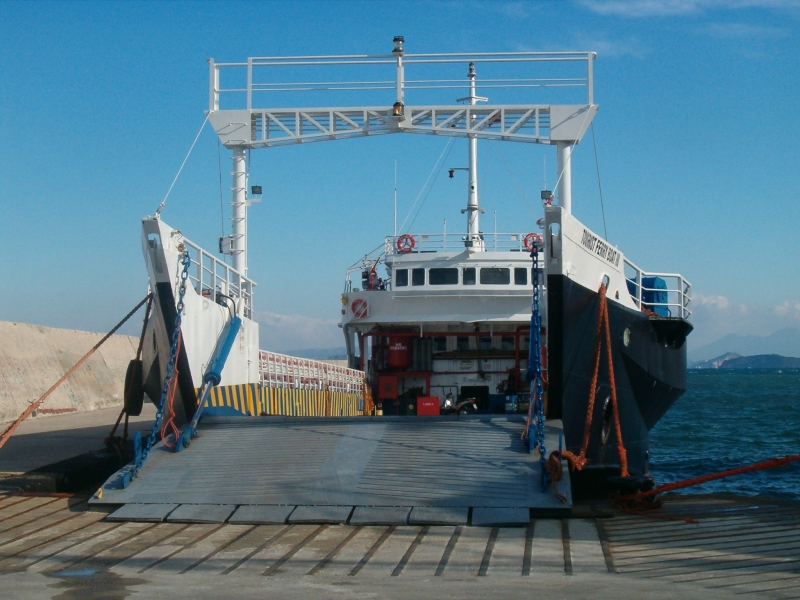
134 389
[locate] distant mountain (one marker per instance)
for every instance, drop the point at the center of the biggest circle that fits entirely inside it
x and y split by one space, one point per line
785 342
319 353
762 361
713 363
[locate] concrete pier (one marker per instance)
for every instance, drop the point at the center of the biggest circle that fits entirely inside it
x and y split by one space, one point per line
33 357
737 546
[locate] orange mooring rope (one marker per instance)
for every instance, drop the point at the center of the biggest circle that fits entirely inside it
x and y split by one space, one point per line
578 462
169 423
668 487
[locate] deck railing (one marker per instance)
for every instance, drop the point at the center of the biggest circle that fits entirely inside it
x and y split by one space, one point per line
457 242
210 276
666 294
289 372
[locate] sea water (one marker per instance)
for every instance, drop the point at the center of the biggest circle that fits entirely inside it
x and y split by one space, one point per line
727 419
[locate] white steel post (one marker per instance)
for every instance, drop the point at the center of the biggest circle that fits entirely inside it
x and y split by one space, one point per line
564 153
473 225
239 203
398 52
213 88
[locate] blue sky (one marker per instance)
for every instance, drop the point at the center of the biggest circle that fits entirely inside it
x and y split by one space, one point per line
100 101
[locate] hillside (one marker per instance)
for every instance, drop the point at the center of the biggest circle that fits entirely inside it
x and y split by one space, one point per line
762 361
785 342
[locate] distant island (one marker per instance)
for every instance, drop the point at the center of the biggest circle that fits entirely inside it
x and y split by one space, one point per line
785 342
731 360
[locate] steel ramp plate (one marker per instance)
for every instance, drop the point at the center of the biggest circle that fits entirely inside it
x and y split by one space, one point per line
261 515
500 517
438 515
146 513
380 515
445 462
320 514
201 513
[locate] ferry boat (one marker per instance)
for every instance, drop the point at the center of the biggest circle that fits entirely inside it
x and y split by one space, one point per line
436 322
450 321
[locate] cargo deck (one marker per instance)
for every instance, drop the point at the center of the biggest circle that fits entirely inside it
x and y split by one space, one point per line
376 469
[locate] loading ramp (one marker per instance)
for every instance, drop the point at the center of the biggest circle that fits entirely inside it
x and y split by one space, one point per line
329 469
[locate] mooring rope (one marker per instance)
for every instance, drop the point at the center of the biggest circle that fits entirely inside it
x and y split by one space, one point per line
34 405
578 462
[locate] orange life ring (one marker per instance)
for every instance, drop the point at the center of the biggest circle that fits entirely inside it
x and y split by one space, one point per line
359 308
406 243
531 239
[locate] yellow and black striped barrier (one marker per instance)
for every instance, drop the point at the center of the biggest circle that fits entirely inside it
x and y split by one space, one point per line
250 399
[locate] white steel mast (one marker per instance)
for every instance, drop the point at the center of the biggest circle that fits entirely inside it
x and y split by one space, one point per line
239 203
473 210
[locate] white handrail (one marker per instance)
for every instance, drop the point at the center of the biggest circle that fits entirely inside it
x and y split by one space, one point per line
210 276
289 372
649 297
256 65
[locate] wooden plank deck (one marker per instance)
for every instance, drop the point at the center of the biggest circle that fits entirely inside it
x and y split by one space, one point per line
740 546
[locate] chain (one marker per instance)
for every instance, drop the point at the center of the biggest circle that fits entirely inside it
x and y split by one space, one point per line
185 261
534 374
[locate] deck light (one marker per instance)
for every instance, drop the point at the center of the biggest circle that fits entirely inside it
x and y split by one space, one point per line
398 45
452 173
546 194
397 109
255 190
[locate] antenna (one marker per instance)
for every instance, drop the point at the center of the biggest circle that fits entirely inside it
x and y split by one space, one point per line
395 197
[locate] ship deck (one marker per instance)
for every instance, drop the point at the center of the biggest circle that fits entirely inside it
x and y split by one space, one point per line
378 470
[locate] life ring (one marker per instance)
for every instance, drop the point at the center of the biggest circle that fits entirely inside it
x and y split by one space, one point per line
359 308
531 239
406 243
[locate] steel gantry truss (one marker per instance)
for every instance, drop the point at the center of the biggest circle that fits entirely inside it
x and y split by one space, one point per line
540 124
249 127
252 127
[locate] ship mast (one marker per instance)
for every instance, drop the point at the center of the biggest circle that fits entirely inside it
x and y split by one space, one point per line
473 224
473 211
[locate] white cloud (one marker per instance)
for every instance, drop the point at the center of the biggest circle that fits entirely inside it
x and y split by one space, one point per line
790 310
284 333
612 48
739 31
719 302
716 316
669 8
605 46
642 8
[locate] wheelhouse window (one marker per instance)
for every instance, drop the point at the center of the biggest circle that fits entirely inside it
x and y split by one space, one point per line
520 276
495 276
443 276
401 277
440 344
507 342
417 276
462 343
468 276
485 343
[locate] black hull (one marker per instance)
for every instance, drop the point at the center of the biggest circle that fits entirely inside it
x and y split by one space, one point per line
163 319
650 374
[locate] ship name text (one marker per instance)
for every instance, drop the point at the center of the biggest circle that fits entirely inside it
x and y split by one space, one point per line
597 246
